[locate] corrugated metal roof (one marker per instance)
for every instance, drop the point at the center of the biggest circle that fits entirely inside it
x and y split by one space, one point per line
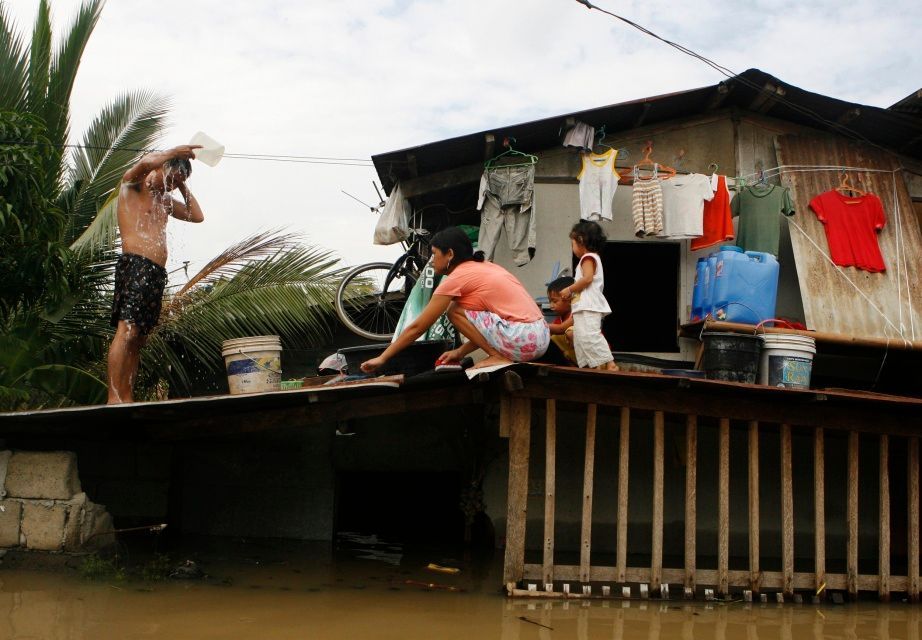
910 105
752 90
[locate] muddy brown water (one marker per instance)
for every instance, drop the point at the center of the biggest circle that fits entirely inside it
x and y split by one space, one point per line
376 589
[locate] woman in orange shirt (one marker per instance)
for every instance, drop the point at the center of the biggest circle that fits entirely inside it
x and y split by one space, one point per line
485 303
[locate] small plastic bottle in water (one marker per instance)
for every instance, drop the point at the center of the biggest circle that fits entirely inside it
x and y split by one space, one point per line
211 152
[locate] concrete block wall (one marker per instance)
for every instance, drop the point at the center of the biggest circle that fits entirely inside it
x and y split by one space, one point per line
42 506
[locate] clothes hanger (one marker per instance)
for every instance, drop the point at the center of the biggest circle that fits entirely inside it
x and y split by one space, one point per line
601 135
845 187
652 165
525 159
713 168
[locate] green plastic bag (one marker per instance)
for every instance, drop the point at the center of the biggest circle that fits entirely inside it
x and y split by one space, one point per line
420 295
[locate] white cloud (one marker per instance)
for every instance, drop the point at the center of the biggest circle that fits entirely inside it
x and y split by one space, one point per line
341 79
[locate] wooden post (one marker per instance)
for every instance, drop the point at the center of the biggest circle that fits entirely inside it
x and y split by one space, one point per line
517 494
691 493
787 513
623 462
883 591
550 482
656 568
755 579
505 415
819 508
588 471
723 507
912 493
852 515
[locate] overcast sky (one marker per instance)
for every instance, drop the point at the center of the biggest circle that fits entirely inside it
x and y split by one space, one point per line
352 79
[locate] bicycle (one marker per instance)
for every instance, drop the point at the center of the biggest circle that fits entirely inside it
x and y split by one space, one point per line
371 296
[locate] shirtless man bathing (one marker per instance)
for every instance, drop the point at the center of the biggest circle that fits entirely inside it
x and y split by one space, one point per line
145 203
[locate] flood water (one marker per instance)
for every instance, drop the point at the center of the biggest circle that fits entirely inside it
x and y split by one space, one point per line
375 589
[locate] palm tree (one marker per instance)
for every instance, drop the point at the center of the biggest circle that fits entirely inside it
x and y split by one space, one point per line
59 326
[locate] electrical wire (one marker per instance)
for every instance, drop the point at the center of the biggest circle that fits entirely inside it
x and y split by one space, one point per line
325 160
738 78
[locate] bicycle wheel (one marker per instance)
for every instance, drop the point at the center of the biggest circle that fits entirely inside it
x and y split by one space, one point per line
368 303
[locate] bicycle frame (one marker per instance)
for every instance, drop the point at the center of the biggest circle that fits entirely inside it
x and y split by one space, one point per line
411 257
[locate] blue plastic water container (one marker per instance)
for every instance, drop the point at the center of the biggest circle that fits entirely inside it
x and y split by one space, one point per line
707 289
744 286
699 291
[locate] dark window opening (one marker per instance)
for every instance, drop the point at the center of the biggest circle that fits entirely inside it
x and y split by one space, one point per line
642 289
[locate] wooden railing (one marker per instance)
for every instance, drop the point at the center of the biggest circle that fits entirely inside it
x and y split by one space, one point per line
550 578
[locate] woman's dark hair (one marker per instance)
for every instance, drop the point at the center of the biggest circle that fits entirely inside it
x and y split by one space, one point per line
590 235
455 239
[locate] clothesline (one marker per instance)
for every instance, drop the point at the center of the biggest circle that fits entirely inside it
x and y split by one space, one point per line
809 168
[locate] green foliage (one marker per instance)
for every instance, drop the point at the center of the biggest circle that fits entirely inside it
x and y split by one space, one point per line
157 568
56 258
95 567
33 256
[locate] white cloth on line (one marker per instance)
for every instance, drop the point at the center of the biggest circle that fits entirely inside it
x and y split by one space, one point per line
598 180
683 205
581 136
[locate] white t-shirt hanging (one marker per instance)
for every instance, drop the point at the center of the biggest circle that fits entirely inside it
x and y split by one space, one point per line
683 205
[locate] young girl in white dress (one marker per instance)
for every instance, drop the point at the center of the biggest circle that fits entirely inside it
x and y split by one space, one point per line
587 300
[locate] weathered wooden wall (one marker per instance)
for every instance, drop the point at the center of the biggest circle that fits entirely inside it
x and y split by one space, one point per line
889 304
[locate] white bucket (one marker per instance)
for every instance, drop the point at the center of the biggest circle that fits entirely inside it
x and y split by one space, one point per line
211 152
253 364
787 360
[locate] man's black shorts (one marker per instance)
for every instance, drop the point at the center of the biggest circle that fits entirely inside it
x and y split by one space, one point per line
139 285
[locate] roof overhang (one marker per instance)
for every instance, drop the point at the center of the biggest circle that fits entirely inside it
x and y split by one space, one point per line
751 91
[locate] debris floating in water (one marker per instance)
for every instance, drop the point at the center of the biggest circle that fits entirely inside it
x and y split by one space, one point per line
432 585
440 569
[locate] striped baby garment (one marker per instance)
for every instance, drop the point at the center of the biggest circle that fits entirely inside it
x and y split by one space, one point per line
647 207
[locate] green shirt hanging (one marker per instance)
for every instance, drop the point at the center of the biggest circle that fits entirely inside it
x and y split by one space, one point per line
758 207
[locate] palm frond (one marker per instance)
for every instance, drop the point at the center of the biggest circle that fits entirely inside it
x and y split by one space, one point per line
14 64
131 122
64 65
231 260
102 233
40 61
269 286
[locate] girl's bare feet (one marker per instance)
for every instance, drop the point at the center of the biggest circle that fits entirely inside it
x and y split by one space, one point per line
609 366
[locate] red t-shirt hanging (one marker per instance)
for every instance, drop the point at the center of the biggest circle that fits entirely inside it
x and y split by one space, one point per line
851 226
717 221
